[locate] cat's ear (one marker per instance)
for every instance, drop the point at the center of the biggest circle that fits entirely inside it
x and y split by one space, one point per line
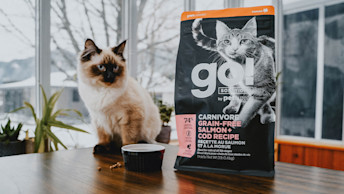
118 50
221 29
251 27
90 45
90 50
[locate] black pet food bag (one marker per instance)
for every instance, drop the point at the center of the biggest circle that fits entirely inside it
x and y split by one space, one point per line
213 135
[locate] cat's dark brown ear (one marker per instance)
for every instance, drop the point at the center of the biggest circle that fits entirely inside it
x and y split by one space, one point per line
89 44
90 50
118 50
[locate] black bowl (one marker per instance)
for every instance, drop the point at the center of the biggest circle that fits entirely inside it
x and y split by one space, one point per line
143 157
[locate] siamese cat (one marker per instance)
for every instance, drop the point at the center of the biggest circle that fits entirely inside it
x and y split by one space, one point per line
121 111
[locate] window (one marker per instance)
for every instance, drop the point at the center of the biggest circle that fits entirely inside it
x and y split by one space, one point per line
209 5
313 80
76 97
299 73
17 62
332 123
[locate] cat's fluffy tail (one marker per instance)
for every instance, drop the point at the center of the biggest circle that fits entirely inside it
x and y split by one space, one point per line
201 39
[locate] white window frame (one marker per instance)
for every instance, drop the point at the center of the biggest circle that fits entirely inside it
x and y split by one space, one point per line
42 52
298 7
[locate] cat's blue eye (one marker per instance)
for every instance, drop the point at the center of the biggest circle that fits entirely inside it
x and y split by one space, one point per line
101 67
227 41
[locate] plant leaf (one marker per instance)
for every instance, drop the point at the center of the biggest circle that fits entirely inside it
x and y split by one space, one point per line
56 146
38 134
45 105
50 106
28 105
62 112
60 124
44 95
55 139
15 134
53 99
18 109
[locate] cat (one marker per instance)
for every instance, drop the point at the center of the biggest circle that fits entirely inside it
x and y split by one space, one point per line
238 45
120 109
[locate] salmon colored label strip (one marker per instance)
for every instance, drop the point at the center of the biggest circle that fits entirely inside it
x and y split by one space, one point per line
186 131
230 12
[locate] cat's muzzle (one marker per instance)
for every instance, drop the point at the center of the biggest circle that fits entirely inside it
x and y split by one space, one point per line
109 77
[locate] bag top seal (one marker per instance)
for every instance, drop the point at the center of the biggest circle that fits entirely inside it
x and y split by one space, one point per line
230 12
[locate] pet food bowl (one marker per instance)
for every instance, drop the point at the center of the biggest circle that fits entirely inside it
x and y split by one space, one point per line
143 157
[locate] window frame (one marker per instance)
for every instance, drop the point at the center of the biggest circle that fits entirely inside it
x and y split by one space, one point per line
130 26
297 7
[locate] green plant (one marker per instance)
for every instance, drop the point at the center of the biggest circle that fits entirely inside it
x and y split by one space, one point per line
9 133
165 112
49 119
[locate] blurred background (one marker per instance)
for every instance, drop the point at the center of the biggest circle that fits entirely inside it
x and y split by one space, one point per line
311 59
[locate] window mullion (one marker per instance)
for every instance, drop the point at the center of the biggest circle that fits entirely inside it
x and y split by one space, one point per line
320 74
233 3
279 54
42 51
189 5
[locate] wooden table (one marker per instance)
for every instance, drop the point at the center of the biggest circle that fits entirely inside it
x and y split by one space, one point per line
75 171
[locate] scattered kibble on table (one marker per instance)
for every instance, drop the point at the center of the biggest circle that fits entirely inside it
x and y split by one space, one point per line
117 165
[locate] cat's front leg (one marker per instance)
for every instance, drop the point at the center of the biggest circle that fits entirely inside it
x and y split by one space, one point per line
131 126
104 143
267 114
249 110
233 106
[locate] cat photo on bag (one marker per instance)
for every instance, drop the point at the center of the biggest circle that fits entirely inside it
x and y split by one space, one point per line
240 45
121 110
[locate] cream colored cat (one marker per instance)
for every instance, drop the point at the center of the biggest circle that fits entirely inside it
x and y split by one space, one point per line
120 109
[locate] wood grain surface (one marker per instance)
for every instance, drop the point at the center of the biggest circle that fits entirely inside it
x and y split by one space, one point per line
75 171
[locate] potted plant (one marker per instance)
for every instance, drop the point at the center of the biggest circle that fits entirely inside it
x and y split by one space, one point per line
44 136
9 143
165 116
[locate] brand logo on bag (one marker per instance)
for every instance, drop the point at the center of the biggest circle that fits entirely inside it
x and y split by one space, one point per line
237 74
265 10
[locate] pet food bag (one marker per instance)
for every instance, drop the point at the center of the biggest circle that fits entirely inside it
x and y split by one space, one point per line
225 91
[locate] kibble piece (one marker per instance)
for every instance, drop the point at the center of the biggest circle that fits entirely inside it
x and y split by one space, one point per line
117 165
99 168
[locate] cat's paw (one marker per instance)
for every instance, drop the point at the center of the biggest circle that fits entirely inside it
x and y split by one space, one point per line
268 118
230 109
101 149
110 148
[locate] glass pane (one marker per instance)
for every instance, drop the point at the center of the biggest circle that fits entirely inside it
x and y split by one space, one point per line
299 74
252 3
17 61
333 73
158 40
209 5
72 22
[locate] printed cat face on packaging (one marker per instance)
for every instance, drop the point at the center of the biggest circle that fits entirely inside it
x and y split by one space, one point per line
104 67
236 43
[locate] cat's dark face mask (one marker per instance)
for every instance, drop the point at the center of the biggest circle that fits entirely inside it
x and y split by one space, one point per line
104 68
109 72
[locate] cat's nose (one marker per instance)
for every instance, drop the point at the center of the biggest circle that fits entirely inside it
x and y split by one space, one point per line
235 49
